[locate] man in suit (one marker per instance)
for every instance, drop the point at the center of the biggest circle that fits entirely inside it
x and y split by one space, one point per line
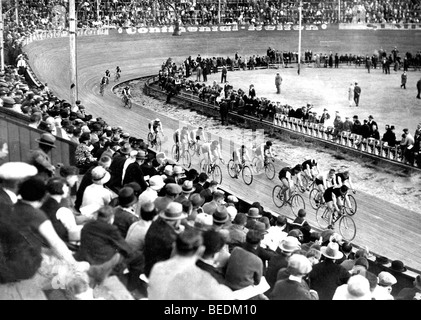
134 171
11 175
357 93
419 89
326 276
116 167
40 157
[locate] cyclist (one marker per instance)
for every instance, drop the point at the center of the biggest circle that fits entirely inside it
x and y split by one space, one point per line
240 155
198 137
126 95
265 151
310 168
286 176
211 152
333 198
155 126
340 180
182 136
103 83
107 74
323 181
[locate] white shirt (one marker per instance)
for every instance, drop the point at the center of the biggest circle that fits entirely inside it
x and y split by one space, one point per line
146 196
96 195
274 237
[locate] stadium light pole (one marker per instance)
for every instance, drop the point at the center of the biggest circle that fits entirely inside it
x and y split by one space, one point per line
300 8
1 38
73 49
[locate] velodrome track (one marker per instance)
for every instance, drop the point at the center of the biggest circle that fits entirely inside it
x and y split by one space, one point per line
385 228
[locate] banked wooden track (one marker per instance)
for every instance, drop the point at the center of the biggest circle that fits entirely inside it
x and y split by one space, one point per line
385 228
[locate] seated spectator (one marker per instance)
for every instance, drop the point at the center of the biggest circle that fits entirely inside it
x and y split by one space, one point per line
383 289
294 287
156 183
216 203
124 213
172 190
356 288
237 231
413 293
302 224
102 245
180 278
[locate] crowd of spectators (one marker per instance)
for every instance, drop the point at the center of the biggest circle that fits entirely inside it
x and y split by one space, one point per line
137 213
124 13
191 77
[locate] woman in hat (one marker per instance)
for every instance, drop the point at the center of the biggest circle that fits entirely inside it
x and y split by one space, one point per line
96 195
40 157
83 155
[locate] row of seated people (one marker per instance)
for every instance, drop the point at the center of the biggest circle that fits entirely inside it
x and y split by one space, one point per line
157 13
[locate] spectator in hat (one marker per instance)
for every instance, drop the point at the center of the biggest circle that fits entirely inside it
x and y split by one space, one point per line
40 157
237 231
280 259
197 201
83 155
294 287
253 215
178 174
186 190
124 213
61 217
136 234
244 267
326 276
185 280
277 233
383 289
413 293
156 183
116 168
348 264
162 234
129 160
360 267
102 245
134 171
302 224
147 166
96 195
356 288
86 181
213 241
207 193
216 203
202 182
172 190
11 176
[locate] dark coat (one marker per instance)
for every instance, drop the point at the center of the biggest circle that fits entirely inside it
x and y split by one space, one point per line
116 171
291 290
159 241
50 208
277 262
99 242
243 269
134 173
123 220
326 276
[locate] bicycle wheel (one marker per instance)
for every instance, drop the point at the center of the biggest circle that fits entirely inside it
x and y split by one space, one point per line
247 175
278 197
175 152
305 182
217 174
231 168
297 203
270 170
186 159
129 103
323 215
203 166
351 211
314 194
347 228
150 139
158 143
257 165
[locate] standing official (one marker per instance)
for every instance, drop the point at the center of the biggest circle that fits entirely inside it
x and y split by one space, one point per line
278 82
